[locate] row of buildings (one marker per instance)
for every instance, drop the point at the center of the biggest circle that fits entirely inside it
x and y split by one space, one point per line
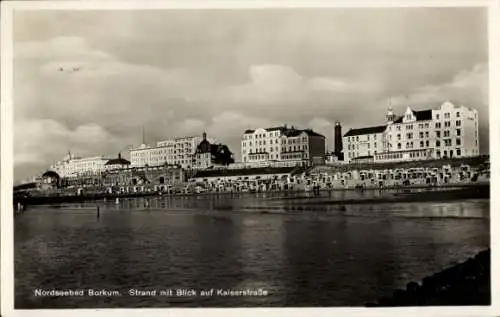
451 131
447 132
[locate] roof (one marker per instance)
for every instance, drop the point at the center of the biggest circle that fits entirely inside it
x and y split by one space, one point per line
51 174
312 133
276 129
290 132
363 131
423 115
204 147
117 161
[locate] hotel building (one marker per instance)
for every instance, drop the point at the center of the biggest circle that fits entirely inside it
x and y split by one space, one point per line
72 166
282 144
448 132
175 151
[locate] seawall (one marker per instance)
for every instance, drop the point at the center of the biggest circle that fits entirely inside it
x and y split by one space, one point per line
465 284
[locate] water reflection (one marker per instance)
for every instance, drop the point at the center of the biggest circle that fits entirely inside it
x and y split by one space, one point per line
303 254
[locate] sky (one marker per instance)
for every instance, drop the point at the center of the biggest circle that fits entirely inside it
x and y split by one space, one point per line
89 81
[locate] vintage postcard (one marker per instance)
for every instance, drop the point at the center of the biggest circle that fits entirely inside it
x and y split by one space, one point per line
303 158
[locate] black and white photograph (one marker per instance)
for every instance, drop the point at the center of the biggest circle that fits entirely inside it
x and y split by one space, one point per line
227 157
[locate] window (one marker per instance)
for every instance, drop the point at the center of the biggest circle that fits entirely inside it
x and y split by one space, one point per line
438 143
357 138
399 146
421 135
446 133
421 143
427 143
459 152
447 124
409 135
437 116
459 132
447 142
438 125
427 125
458 116
438 134
407 145
459 141
426 134
399 136
447 115
458 123
375 145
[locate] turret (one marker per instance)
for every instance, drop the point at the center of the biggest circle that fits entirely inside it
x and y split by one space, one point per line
390 116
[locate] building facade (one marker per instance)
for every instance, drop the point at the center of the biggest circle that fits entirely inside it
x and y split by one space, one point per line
282 144
72 166
447 132
175 151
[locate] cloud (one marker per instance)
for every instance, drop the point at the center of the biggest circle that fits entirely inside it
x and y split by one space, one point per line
468 87
39 141
105 76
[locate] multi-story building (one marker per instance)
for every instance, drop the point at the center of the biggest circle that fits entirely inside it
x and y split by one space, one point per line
447 132
282 144
72 166
210 155
175 151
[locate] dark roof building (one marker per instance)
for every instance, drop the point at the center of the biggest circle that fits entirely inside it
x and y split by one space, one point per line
369 130
218 154
117 161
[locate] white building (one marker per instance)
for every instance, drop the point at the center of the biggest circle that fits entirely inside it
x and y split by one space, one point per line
282 144
448 132
178 151
72 166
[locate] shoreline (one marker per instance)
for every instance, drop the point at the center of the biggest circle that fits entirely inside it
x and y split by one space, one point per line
434 193
464 284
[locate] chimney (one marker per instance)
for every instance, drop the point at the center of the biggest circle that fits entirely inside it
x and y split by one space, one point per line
204 136
119 155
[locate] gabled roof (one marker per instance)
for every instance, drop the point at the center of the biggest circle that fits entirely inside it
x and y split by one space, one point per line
363 131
